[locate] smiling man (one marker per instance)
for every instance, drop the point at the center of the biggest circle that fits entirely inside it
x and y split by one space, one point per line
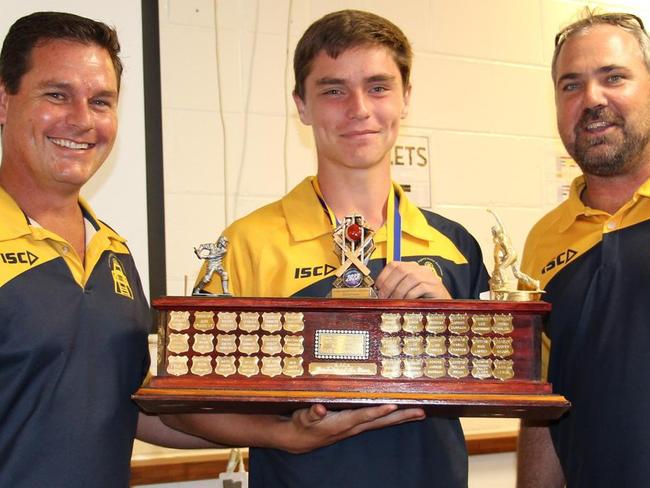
591 255
73 316
352 73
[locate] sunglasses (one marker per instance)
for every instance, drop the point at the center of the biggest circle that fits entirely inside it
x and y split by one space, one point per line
626 21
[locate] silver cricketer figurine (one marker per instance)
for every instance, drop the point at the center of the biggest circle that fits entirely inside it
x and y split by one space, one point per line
213 253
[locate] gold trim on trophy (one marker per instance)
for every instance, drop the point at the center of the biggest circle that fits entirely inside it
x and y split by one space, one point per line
294 322
203 321
293 345
481 346
435 368
177 365
481 324
458 367
482 368
342 344
248 366
343 369
249 321
413 367
225 366
227 321
271 321
391 367
292 367
436 345
436 323
178 343
413 323
458 323
390 346
271 365
271 345
458 345
390 323
503 324
203 343
226 343
201 365
179 320
413 345
503 369
249 343
502 347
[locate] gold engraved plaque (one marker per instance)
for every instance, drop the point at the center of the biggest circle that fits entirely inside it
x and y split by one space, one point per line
294 322
179 320
271 366
271 321
204 321
226 343
292 367
502 347
227 321
481 346
436 323
390 323
343 369
178 343
413 367
201 365
481 324
482 368
271 345
413 323
503 369
413 346
341 344
390 346
249 321
458 346
203 343
435 346
177 365
293 345
458 323
248 366
502 324
391 368
225 365
435 367
249 343
458 367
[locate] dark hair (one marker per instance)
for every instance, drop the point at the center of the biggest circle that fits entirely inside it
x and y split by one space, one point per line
31 30
590 18
340 31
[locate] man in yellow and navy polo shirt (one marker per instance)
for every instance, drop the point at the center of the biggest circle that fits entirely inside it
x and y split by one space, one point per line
352 86
73 316
592 255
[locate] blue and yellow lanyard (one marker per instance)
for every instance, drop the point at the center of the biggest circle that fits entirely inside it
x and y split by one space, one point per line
393 222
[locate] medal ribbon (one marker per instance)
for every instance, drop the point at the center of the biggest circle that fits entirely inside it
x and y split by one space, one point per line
393 222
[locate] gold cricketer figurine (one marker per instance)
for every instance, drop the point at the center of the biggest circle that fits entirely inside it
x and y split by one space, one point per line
507 281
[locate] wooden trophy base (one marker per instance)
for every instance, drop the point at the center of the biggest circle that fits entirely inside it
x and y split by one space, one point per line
253 355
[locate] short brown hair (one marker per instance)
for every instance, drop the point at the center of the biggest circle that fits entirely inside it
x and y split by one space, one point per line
31 30
590 18
340 31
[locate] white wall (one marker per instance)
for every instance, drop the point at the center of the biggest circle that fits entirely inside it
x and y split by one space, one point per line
118 191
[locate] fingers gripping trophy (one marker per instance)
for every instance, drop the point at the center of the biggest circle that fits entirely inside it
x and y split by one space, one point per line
213 253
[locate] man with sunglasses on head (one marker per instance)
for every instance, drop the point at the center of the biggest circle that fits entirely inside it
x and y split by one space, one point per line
592 255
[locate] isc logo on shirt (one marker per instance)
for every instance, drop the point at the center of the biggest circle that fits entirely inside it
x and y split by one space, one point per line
24 257
562 258
313 271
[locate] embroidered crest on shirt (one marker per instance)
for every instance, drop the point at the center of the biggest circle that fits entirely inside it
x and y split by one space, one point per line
122 286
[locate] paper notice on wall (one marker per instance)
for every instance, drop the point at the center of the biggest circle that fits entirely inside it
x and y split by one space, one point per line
566 170
411 167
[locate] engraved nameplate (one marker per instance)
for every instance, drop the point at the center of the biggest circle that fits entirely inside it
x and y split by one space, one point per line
204 321
201 365
294 322
203 343
271 345
225 365
435 367
436 345
226 343
436 323
343 369
482 368
227 321
458 346
413 323
179 320
413 346
502 324
391 368
248 366
341 344
458 323
178 343
481 324
458 367
292 367
390 346
413 367
271 321
502 347
481 346
249 321
177 365
390 323
293 345
271 365
503 369
249 343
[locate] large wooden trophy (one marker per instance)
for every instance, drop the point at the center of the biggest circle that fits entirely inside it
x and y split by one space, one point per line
270 355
